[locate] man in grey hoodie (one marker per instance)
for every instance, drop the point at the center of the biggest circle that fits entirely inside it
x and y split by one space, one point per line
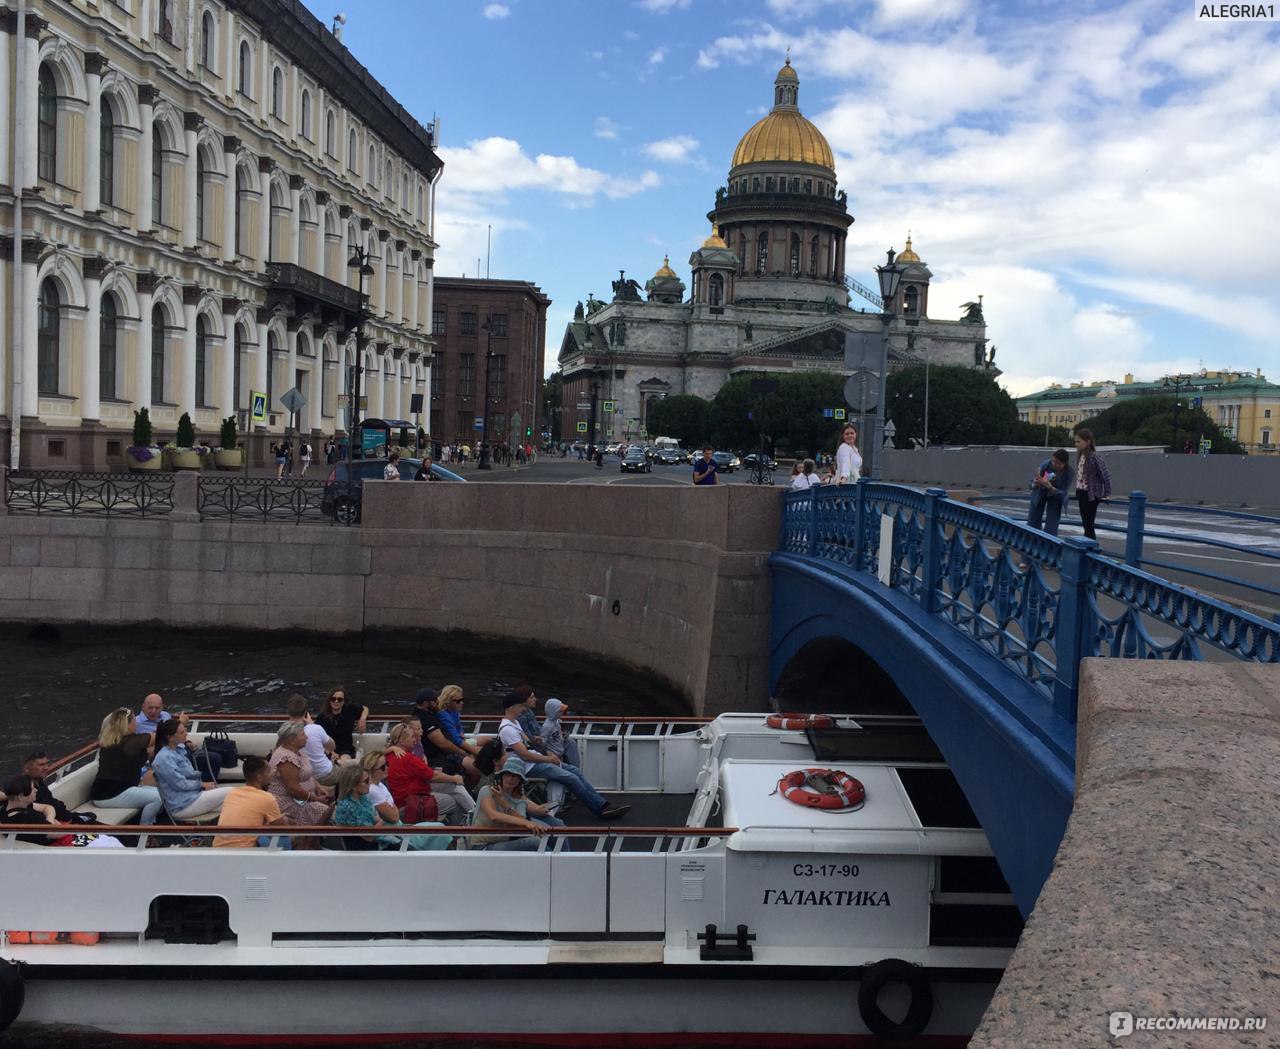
558 742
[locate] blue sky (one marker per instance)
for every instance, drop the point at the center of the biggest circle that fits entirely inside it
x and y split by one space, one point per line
1106 175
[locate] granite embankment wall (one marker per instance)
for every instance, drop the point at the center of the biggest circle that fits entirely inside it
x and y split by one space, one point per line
1224 479
670 580
1163 899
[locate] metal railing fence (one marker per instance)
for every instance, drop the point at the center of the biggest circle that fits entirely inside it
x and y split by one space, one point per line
80 494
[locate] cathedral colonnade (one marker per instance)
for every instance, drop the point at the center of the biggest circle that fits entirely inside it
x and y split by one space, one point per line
178 205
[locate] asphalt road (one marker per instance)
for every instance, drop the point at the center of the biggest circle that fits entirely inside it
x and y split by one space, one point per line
570 471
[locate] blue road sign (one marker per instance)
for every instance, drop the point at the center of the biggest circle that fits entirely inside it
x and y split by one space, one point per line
828 413
479 422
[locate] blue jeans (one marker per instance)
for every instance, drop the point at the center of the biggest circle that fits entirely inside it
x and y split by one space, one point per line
529 844
1046 508
145 798
264 842
574 782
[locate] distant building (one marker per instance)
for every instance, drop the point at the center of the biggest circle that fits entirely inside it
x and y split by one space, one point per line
769 292
506 319
194 178
1245 405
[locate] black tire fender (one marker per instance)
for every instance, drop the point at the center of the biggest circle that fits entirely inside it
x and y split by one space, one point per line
13 993
920 1011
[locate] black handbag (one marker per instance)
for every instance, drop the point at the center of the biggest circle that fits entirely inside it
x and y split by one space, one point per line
218 742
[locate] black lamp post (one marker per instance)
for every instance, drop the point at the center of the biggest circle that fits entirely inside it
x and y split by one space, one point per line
1177 382
484 463
890 275
359 262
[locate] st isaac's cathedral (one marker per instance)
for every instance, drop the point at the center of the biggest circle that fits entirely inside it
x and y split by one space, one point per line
769 292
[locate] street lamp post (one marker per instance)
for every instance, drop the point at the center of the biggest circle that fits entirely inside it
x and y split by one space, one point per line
1177 382
890 275
359 262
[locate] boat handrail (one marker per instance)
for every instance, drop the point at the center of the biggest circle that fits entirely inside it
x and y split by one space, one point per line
209 830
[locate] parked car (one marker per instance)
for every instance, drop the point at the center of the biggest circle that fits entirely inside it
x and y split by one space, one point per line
726 462
343 498
635 461
748 462
668 456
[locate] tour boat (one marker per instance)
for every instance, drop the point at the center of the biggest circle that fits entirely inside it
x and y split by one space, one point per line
741 902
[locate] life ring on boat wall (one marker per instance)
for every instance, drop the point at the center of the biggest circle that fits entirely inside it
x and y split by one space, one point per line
799 722
919 1011
13 993
823 789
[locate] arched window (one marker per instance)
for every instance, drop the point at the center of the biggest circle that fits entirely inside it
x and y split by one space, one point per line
372 168
106 154
305 115
157 355
421 195
405 198
351 150
202 358
715 290
107 347
762 253
331 134
911 301
795 254
157 176
390 182
237 369
277 93
47 127
239 214
48 339
246 68
207 37
201 172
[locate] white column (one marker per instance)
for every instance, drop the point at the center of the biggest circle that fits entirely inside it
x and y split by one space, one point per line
315 390
90 393
190 176
145 147
187 391
291 361
294 246
405 383
30 332
33 107
229 204
263 360
265 217
6 320
375 387
231 55
428 322
416 292
93 144
5 120
321 249
343 275
384 275
142 391
226 381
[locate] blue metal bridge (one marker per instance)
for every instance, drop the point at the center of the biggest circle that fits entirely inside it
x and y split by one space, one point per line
981 622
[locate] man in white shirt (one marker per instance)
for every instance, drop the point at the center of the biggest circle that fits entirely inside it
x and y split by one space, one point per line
319 748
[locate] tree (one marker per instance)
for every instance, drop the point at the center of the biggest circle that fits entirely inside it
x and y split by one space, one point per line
1149 419
682 416
966 406
186 435
792 416
1034 434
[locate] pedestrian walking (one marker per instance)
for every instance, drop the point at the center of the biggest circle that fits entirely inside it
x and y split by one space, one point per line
1093 481
330 451
1050 490
304 457
280 451
848 458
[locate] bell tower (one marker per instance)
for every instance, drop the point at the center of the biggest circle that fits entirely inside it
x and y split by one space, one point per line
912 300
714 270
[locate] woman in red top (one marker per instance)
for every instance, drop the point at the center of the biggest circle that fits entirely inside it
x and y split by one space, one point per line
409 775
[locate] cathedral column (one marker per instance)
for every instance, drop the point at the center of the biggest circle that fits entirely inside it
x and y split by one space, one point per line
94 65
265 166
384 274
146 298
91 372
322 243
263 360
146 145
225 383
294 247
230 197
35 26
315 388
8 22
291 356
187 397
343 276
377 390
430 308
414 289
31 327
191 181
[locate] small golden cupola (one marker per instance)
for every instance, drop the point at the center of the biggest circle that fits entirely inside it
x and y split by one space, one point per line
665 285
907 255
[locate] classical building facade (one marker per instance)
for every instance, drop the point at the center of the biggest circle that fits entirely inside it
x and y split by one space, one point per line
1244 404
184 182
494 333
768 292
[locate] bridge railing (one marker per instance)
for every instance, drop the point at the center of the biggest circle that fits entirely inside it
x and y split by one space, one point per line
1037 603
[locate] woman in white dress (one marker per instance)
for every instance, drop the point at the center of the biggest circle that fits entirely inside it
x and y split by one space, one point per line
848 458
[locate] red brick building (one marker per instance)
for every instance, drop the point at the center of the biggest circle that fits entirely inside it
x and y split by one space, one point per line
498 323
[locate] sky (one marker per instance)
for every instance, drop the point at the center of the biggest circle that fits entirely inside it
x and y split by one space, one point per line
1106 175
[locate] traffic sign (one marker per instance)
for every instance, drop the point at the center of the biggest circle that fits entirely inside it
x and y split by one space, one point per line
840 414
609 406
293 399
860 388
479 422
584 406
582 427
258 406
828 413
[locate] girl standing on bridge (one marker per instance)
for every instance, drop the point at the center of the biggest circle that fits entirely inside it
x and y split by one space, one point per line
848 458
1093 481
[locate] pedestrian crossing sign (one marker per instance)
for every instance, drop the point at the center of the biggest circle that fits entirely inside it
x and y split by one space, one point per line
608 406
257 406
840 413
582 427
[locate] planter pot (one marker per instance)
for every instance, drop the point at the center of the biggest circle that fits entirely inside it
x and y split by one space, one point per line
185 459
229 460
155 463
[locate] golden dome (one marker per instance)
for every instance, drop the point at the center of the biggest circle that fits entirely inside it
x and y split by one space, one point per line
786 72
784 135
907 254
665 269
714 241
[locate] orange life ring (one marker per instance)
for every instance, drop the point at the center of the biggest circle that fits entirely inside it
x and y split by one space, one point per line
822 789
799 722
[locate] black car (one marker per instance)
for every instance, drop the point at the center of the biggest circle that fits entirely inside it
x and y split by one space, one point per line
726 462
635 461
343 498
669 456
749 462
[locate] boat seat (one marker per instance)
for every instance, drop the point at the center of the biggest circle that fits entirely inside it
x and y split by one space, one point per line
113 816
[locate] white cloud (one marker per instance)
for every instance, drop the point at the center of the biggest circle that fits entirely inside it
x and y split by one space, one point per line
498 165
918 12
606 128
496 11
657 56
679 149
661 7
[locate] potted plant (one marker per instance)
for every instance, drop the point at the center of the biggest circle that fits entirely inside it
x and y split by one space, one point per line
229 455
184 454
142 454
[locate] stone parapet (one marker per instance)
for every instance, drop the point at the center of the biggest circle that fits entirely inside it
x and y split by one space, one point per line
1163 898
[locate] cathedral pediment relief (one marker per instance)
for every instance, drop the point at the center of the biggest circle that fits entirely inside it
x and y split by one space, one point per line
654 383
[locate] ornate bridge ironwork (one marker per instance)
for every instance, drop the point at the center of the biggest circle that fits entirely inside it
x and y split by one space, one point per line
266 499
88 494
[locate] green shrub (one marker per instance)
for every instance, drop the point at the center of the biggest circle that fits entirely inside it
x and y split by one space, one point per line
142 428
186 436
227 434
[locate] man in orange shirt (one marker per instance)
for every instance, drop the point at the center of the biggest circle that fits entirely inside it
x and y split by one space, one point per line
250 806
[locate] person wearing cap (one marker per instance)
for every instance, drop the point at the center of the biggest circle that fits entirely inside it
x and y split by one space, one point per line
439 750
503 804
549 766
557 740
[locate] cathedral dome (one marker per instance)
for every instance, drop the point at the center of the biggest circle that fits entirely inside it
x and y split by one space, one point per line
665 269
785 135
715 240
907 255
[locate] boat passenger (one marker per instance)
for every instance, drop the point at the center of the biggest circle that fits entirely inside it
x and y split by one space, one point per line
36 765
528 719
409 775
250 806
341 719
20 806
557 740
207 762
441 752
151 714
503 804
489 760
302 800
450 707
374 762
122 751
320 748
550 767
185 794
354 809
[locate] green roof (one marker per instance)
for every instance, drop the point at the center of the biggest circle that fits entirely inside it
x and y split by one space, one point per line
1201 385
